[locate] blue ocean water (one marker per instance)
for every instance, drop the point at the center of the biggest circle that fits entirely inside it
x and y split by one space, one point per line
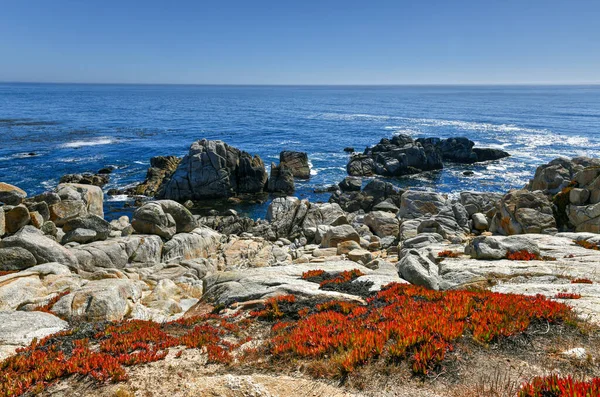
79 128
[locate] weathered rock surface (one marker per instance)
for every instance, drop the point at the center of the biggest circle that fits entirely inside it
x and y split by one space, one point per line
435 214
41 247
498 247
396 157
522 211
99 180
213 169
418 269
337 234
260 283
160 171
11 195
403 155
163 218
16 258
108 299
99 228
557 174
16 217
383 224
296 162
118 252
281 180
201 242
18 329
374 193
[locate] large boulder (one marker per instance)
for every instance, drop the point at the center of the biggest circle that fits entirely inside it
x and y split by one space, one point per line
160 171
117 253
296 162
418 269
322 214
396 157
101 300
286 215
281 179
435 213
16 258
92 197
11 195
383 224
16 217
337 234
213 169
374 193
97 229
521 212
99 180
558 174
480 202
201 242
461 150
498 247
163 218
41 247
19 329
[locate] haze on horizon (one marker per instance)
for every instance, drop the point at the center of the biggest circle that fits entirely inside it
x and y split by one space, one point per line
309 42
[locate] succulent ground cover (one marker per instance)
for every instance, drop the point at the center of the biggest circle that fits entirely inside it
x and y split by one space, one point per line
557 386
401 325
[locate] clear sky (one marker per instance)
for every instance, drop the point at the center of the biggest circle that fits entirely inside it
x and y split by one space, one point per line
300 41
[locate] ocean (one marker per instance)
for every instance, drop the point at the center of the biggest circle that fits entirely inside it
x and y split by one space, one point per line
74 128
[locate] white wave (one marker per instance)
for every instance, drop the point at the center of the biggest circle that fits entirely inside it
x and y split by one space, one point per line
459 124
118 197
94 142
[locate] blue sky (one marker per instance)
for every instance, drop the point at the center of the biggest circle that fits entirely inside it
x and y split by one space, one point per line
301 42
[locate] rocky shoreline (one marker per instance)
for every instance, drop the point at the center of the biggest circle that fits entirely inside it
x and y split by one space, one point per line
57 251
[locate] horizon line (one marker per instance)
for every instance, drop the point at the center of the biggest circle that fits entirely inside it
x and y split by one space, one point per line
312 84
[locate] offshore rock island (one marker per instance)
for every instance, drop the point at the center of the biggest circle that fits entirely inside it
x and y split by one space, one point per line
417 285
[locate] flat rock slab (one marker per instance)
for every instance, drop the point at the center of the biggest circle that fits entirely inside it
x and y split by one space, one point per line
537 277
18 329
258 283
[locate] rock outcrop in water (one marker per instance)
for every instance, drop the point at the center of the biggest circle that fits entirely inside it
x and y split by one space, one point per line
573 186
213 169
403 155
296 162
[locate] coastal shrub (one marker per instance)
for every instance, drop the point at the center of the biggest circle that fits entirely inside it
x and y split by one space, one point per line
581 281
47 308
559 386
407 322
448 254
102 350
567 295
522 255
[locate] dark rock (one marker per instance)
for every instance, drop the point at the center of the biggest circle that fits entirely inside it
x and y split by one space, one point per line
213 169
488 154
349 149
326 189
100 228
350 184
468 173
86 179
47 197
11 195
374 193
16 217
106 170
281 180
296 162
396 157
16 258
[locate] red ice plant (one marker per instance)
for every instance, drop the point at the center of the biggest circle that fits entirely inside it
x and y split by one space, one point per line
557 386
